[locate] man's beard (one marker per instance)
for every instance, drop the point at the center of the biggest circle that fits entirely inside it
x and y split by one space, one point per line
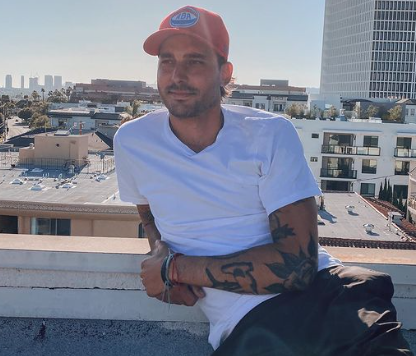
182 110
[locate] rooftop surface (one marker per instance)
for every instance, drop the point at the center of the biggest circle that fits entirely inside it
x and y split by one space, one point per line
64 337
338 222
87 188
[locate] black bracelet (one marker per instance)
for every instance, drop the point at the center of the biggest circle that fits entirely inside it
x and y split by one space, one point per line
165 280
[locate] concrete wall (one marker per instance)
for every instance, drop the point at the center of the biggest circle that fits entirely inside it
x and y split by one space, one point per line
72 147
100 226
98 278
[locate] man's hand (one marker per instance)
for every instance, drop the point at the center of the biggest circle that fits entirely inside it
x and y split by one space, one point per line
181 294
151 268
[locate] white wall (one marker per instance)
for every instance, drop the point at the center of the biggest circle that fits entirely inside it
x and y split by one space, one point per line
387 134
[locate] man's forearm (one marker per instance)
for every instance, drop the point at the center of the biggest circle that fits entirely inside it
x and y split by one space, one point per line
261 270
148 222
289 263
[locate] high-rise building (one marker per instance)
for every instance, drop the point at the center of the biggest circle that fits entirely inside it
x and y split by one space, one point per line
33 83
48 83
369 49
57 81
9 81
22 82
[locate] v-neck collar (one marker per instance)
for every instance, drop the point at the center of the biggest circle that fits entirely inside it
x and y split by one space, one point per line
184 148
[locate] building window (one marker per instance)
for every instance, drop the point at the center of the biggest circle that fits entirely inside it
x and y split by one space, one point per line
315 135
278 107
400 190
314 159
46 226
142 232
370 141
368 189
404 142
402 168
369 166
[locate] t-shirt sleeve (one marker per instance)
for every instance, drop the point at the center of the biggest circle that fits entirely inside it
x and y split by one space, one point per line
285 174
127 184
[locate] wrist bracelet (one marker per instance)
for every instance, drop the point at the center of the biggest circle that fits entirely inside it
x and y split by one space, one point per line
163 270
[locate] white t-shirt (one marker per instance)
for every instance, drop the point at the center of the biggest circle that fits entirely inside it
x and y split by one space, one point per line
217 201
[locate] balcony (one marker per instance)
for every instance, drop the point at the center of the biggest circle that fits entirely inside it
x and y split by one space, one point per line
401 172
405 152
351 150
339 173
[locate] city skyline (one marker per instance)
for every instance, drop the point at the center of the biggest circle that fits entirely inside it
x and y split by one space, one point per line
278 41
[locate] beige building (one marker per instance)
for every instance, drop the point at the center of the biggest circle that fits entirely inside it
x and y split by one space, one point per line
56 188
61 146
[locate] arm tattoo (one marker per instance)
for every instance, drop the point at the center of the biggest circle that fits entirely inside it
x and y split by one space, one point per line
296 271
240 272
278 231
146 215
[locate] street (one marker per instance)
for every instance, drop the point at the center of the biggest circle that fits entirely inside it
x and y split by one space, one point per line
16 127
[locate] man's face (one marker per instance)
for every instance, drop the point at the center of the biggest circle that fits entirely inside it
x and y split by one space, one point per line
188 77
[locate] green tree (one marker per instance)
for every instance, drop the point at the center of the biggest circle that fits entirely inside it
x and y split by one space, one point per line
372 111
135 109
357 110
400 202
332 112
395 113
381 192
25 114
301 112
40 121
57 96
394 200
389 197
35 95
292 110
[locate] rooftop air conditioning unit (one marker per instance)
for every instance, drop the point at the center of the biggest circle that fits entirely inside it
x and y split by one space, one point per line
368 228
350 208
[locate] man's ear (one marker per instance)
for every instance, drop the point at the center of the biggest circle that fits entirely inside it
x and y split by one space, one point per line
226 73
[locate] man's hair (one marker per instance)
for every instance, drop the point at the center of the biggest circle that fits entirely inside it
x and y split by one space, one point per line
226 90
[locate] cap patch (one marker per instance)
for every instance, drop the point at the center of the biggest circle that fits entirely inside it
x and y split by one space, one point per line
186 18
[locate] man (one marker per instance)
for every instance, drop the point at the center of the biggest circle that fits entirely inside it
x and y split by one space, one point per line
228 188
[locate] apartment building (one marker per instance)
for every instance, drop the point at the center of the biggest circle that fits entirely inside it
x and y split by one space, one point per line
358 155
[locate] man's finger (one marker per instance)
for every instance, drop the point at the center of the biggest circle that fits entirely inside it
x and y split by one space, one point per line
198 291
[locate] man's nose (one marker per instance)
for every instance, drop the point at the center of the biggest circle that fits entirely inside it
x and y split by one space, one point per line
179 72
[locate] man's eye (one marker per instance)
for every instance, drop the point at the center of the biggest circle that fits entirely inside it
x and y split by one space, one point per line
166 61
196 62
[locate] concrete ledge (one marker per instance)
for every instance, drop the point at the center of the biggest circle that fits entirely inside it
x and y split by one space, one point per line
98 278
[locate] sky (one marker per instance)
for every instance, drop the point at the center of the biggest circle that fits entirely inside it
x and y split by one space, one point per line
88 39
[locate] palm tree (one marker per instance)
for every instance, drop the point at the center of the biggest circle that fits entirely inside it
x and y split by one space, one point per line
43 94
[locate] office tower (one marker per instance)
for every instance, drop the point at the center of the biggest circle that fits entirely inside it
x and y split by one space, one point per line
22 82
369 49
48 83
9 81
57 80
33 84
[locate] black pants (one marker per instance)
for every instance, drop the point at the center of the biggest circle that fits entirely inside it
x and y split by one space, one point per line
347 311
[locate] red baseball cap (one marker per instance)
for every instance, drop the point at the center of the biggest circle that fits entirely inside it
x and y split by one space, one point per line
202 24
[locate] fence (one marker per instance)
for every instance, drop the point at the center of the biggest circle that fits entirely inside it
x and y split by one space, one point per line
90 165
